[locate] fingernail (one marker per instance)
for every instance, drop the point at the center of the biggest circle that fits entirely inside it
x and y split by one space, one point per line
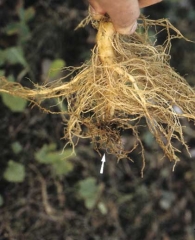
133 27
128 30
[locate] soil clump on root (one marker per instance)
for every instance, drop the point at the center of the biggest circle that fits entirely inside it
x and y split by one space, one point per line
129 78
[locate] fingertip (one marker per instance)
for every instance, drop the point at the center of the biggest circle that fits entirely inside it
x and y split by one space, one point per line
95 15
127 30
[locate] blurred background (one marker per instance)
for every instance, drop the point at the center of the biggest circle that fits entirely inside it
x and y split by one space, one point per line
45 198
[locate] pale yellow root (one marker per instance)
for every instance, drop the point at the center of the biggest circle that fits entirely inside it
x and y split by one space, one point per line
127 84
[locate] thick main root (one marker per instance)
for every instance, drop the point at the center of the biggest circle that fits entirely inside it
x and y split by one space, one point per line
127 79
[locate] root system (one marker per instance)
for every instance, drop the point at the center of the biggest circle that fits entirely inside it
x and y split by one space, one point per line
127 82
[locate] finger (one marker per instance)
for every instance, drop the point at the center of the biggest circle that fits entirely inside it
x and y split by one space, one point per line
95 15
96 11
127 30
124 15
146 3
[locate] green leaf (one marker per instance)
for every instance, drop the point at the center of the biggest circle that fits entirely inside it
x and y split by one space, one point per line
1 201
16 147
2 57
29 14
19 28
21 13
2 73
15 104
15 55
148 138
10 78
12 28
44 155
125 198
15 172
56 67
49 155
59 160
62 167
24 33
88 191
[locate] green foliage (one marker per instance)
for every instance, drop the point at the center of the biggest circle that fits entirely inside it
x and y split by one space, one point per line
89 192
2 60
12 29
27 14
125 198
16 147
15 104
56 67
15 172
15 55
2 72
60 161
21 28
1 201
148 139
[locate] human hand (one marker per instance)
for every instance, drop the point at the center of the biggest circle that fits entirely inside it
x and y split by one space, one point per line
123 13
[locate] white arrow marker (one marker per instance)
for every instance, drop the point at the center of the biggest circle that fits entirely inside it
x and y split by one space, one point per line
102 166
